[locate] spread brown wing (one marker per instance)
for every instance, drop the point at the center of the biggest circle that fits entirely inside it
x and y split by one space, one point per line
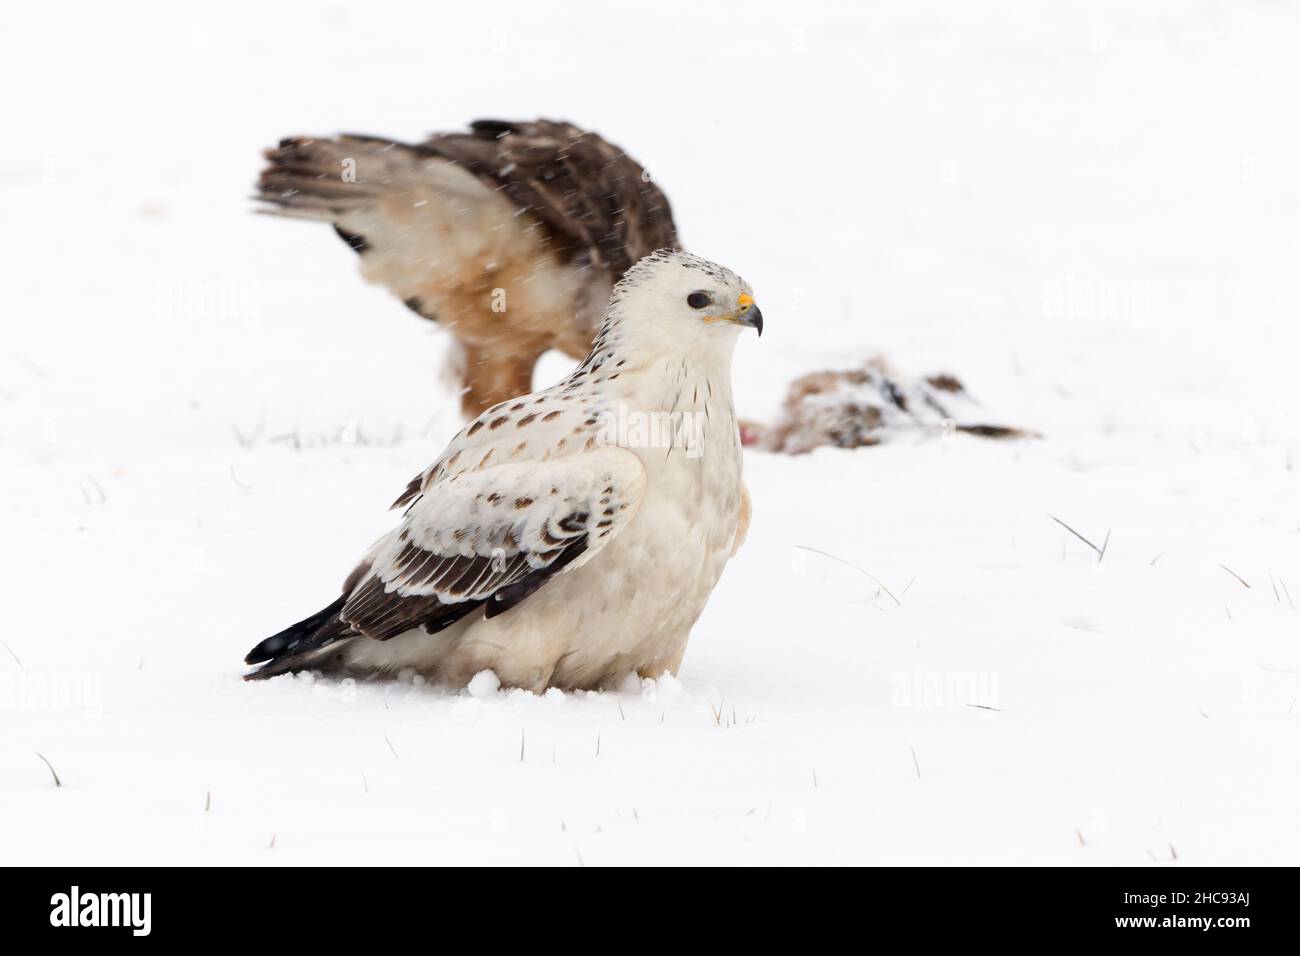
597 203
417 220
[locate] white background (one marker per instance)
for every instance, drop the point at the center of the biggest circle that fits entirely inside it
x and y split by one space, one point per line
1088 211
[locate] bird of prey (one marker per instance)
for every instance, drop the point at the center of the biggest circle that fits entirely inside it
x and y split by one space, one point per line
569 537
511 235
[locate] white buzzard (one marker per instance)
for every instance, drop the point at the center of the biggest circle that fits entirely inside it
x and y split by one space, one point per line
510 235
569 537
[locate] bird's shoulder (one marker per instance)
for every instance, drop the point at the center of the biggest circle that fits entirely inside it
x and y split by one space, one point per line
543 426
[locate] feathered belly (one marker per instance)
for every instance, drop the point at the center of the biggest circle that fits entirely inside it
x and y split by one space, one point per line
629 610
651 596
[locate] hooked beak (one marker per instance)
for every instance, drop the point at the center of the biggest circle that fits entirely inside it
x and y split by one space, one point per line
749 314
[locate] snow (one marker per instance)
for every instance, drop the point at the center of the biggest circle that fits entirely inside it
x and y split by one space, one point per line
484 685
1089 213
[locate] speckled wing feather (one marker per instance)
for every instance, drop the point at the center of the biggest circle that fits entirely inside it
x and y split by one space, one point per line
491 537
553 423
598 204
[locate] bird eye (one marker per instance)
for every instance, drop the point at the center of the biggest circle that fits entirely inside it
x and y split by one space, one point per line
698 300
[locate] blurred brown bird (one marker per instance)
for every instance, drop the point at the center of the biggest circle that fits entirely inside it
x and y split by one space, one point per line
511 235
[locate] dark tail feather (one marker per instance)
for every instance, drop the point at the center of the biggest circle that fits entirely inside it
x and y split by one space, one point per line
303 176
289 649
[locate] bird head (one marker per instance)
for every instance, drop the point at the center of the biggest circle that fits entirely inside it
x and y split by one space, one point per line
683 297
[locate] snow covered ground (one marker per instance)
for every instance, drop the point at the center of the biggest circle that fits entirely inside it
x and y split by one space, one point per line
1088 212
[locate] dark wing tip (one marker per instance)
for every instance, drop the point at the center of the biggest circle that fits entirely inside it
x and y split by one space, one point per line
293 636
355 241
492 128
262 652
